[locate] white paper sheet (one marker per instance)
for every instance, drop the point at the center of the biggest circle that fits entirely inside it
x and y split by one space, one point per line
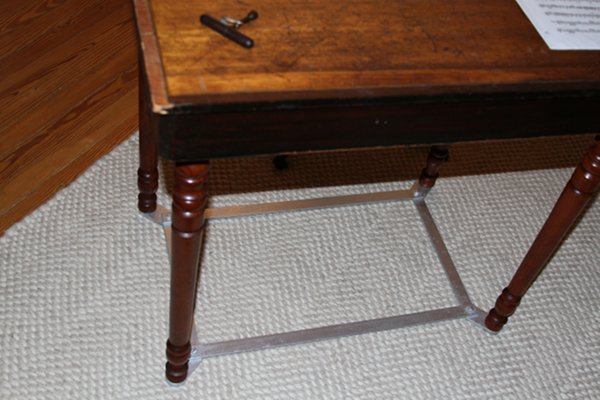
565 24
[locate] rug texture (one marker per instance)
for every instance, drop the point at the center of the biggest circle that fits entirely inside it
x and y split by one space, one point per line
84 282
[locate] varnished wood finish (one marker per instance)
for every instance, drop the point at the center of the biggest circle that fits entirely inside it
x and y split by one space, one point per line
333 76
438 155
189 202
151 56
318 49
68 94
148 170
580 189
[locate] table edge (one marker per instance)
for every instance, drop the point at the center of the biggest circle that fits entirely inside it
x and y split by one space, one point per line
150 57
182 105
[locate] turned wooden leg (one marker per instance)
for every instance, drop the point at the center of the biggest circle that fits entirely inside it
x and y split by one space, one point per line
148 171
438 155
584 182
189 202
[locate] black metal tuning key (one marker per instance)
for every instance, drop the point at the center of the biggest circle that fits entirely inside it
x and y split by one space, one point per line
228 27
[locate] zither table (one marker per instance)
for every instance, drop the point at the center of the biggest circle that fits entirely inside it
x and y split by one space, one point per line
319 75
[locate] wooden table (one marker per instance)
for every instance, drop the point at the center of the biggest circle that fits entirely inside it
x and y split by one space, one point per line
328 74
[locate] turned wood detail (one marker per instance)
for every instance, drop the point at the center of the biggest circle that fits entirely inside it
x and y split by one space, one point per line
438 155
148 170
189 203
505 306
580 189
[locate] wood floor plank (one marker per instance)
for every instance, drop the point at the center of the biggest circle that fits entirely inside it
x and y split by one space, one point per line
43 121
42 117
33 83
44 21
68 94
15 12
87 132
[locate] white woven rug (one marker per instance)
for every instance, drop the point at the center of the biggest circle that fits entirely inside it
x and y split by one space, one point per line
84 283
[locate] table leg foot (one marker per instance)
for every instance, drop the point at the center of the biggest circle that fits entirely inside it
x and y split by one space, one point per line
438 155
505 306
189 203
176 368
580 189
147 184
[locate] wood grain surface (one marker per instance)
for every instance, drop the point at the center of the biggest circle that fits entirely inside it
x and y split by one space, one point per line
358 48
68 94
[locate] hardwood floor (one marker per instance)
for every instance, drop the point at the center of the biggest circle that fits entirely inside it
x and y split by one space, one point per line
68 94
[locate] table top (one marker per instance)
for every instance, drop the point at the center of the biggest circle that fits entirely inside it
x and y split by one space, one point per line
324 49
326 74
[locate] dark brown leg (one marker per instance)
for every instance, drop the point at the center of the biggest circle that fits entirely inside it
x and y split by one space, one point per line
148 171
189 202
584 182
438 155
281 162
